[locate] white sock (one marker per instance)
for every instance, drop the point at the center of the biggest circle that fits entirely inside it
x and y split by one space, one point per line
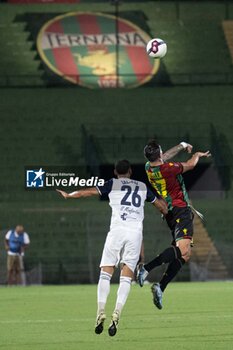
123 292
103 290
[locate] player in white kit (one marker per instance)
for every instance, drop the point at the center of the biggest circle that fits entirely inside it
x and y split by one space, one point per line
124 240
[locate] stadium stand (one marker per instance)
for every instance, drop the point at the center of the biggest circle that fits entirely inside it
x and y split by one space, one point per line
53 126
43 213
206 263
190 60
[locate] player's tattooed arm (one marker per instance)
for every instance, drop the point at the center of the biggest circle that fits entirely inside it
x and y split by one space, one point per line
78 194
172 152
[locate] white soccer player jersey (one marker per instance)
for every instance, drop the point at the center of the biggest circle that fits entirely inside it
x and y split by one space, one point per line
127 198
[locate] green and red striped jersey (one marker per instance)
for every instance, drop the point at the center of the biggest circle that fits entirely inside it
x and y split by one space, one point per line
168 181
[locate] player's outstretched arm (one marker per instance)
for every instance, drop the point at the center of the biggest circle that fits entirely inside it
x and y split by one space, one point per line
87 192
161 205
192 162
172 152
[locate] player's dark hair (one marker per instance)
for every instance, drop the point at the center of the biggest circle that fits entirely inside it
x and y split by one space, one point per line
122 167
152 150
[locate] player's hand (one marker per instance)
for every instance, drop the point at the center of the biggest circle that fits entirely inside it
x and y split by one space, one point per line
189 148
63 193
206 154
186 146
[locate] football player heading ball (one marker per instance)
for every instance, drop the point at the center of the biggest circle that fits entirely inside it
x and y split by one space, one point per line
166 178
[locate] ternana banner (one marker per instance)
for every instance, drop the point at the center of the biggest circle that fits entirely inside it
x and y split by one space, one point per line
81 48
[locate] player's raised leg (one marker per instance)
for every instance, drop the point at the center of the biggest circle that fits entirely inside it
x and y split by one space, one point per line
167 256
173 268
122 295
102 295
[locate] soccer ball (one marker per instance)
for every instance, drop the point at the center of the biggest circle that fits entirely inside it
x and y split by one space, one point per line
156 48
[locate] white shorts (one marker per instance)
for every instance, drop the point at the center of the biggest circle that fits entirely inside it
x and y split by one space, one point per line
122 246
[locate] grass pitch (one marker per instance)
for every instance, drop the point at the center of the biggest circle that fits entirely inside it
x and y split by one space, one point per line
195 316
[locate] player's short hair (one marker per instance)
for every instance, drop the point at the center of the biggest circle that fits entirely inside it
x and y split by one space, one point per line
122 167
152 150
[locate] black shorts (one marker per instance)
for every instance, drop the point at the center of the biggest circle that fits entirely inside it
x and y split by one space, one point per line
180 222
